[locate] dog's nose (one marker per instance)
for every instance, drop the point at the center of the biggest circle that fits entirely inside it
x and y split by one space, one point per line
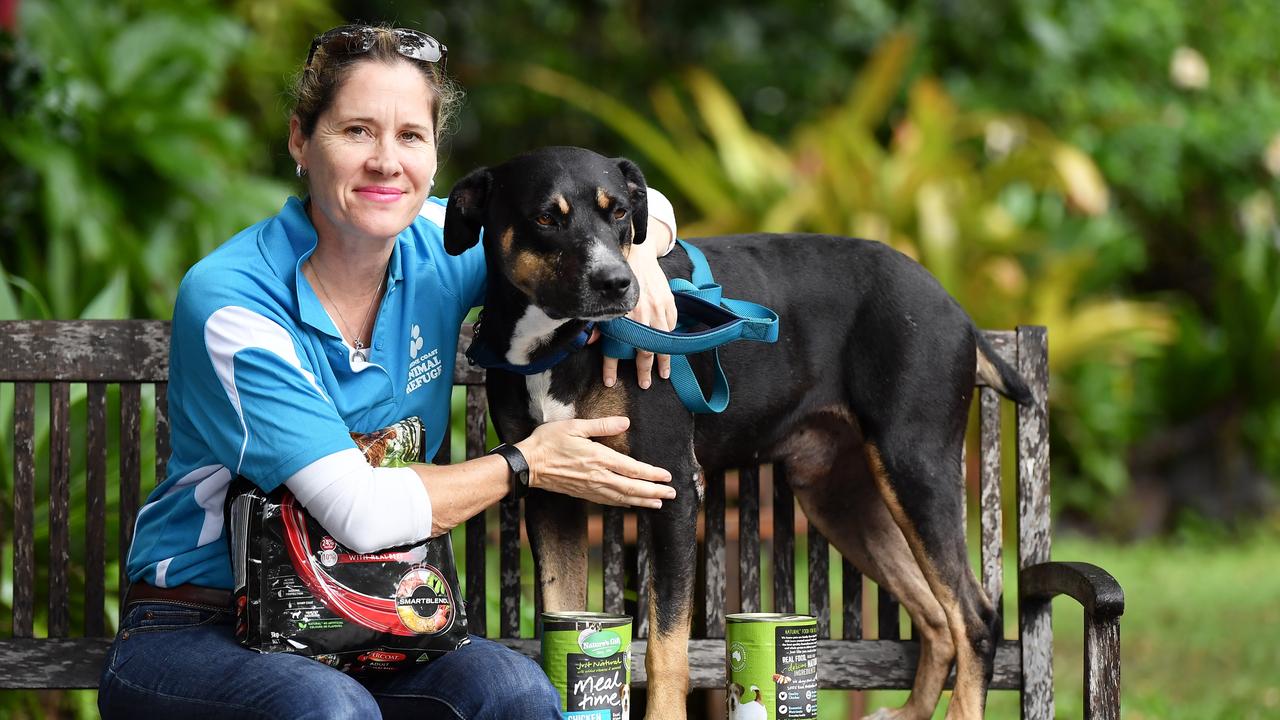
611 282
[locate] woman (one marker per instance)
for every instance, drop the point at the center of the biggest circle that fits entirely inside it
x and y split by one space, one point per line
301 329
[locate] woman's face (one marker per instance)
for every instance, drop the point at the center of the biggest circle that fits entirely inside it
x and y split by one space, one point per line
372 155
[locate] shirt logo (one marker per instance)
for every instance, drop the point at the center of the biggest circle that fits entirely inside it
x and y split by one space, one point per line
415 342
424 366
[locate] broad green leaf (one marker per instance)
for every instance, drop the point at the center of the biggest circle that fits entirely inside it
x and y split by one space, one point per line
112 303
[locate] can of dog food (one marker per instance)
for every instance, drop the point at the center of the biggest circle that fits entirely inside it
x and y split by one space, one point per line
587 656
771 662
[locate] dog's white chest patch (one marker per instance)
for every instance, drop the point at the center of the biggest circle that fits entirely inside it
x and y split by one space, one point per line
532 329
542 407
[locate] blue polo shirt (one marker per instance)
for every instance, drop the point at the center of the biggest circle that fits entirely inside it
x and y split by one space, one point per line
262 383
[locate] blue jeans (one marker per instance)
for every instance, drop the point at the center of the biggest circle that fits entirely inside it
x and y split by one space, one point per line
171 660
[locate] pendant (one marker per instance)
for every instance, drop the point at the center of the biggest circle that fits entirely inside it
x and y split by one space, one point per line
358 354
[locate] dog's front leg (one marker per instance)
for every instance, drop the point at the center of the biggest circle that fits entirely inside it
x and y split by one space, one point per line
672 577
557 527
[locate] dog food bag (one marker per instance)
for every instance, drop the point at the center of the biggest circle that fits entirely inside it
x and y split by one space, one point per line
587 657
300 591
771 661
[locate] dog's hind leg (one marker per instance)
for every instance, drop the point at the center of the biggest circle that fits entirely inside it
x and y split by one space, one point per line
557 526
920 483
830 478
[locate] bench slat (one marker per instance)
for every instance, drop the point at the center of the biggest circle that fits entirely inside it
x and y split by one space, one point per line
989 493
84 350
819 585
863 665
713 554
1034 621
95 567
509 567
749 539
59 499
611 557
886 615
644 567
784 543
476 402
162 431
851 590
24 503
130 480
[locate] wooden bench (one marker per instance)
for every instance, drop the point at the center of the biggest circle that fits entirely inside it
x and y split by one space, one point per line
109 367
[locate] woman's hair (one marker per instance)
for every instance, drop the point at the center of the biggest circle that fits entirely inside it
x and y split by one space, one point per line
318 83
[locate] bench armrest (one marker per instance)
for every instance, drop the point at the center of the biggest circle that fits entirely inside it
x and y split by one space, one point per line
1091 586
1103 602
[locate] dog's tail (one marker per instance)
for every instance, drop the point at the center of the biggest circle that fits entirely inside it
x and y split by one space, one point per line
994 371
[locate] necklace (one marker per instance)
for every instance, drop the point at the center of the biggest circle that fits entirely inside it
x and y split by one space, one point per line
358 347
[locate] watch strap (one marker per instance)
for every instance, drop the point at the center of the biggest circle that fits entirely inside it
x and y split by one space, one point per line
519 468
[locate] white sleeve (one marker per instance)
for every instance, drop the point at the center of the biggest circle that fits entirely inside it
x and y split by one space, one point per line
660 209
364 508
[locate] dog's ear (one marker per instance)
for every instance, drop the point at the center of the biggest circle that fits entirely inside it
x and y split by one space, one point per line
639 196
464 215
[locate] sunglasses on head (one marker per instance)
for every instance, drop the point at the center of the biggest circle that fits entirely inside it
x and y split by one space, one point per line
358 39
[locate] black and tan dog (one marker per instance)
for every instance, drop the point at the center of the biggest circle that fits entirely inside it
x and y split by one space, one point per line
864 399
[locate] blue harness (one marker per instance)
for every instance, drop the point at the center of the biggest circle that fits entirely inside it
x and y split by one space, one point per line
700 305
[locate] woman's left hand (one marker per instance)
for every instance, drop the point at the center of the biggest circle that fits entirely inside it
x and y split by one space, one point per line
656 307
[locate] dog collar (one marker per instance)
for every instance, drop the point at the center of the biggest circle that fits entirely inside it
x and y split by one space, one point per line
481 355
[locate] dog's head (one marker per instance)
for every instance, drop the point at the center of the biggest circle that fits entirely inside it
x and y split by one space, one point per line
557 225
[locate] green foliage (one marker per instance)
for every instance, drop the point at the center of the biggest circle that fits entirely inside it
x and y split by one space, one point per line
124 166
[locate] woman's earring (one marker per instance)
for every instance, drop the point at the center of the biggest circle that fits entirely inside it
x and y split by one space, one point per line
300 171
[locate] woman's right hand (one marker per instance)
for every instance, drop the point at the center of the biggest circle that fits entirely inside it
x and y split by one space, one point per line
563 458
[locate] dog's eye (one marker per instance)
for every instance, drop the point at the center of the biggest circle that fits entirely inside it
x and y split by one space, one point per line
544 219
619 213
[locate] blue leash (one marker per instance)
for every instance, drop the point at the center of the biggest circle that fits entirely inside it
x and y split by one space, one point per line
699 302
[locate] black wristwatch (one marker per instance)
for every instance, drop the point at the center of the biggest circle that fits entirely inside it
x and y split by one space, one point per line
519 468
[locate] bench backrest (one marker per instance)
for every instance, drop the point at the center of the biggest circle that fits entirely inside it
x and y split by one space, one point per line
118 371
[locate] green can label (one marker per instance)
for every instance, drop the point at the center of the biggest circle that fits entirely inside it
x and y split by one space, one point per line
587 656
771 661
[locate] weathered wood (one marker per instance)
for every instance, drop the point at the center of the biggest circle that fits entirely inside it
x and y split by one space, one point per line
612 555
477 529
130 448
749 539
851 589
1102 670
819 582
644 571
162 431
95 566
24 503
713 555
51 663
84 350
1035 622
989 498
59 500
784 543
863 665
509 567
886 615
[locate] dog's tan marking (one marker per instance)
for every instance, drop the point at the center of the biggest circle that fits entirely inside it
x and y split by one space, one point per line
967 698
603 199
529 271
600 401
506 241
667 663
563 572
561 202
